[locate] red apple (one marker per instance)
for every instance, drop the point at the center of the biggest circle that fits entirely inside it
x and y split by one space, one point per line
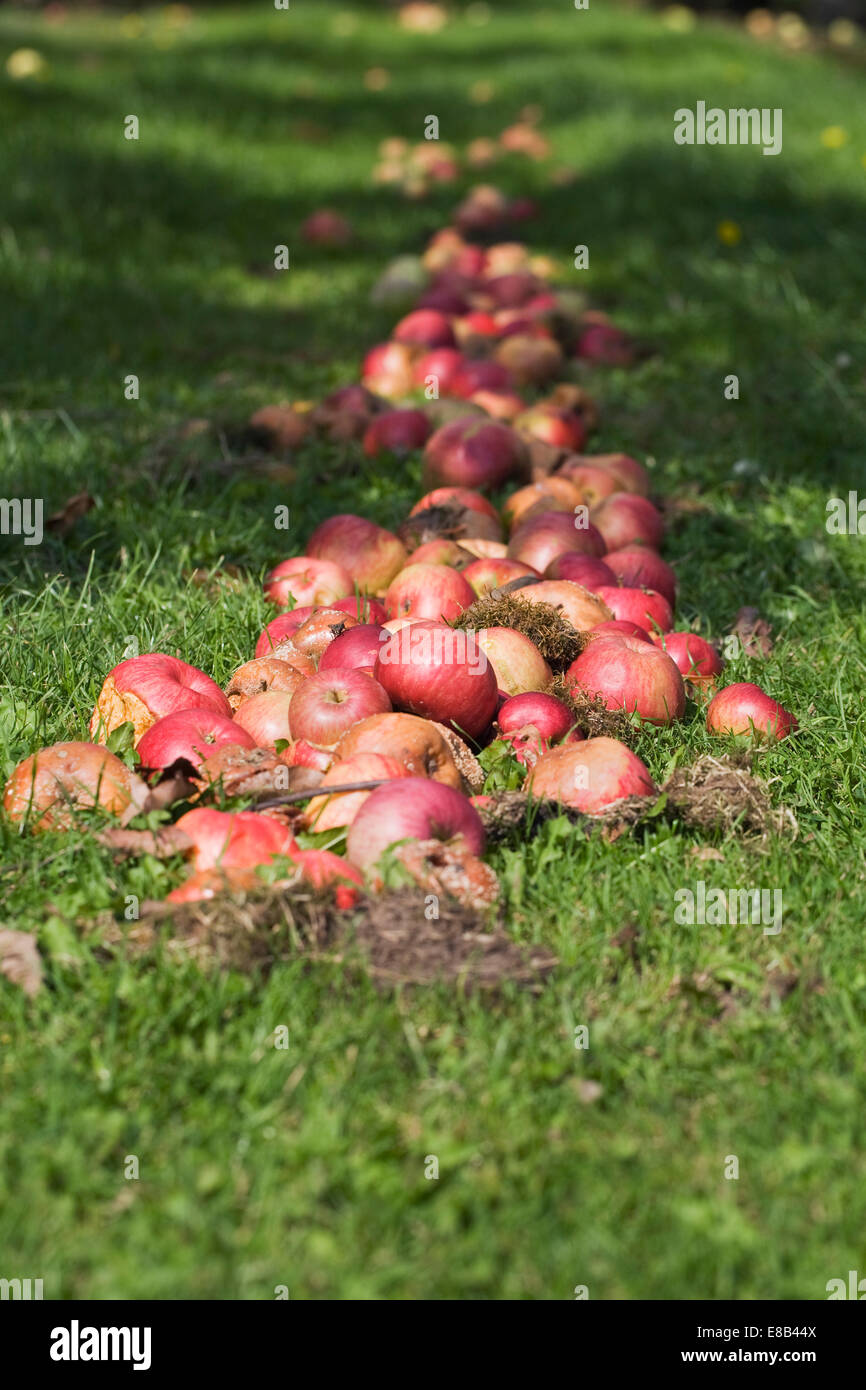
624 518
620 627
281 627
456 497
426 328
603 343
517 663
356 648
368 553
49 786
474 452
645 607
590 776
308 581
564 429
551 495
580 569
145 688
300 753
325 705
325 227
441 552
265 717
440 673
486 574
542 537
361 607
428 591
481 375
592 484
641 567
414 742
397 432
443 365
192 734
413 808
234 840
388 369
551 717
621 468
632 675
501 405
328 812
322 869
694 656
315 635
746 709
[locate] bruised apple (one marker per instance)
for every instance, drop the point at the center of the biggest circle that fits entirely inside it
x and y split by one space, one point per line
51 785
265 673
370 554
146 688
414 742
589 776
329 811
413 808
234 840
191 734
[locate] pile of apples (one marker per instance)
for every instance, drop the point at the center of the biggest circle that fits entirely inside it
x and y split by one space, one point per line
362 678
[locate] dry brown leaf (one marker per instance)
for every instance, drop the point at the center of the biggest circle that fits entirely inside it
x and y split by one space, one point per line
71 511
20 961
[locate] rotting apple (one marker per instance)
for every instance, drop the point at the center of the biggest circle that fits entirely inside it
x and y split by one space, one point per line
265 673
191 734
413 808
50 786
589 776
145 688
265 717
234 839
330 811
410 740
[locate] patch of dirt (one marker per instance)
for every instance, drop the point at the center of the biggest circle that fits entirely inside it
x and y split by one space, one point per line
719 793
591 714
388 936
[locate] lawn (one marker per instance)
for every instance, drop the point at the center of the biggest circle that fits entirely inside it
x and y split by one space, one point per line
305 1167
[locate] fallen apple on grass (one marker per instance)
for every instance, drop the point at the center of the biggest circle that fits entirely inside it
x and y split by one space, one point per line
425 327
428 591
586 570
583 609
191 735
234 839
638 566
322 870
485 574
624 517
696 659
367 552
439 673
329 811
542 537
518 665
644 607
413 808
633 675
148 687
589 776
306 580
266 673
355 649
745 710
325 705
415 743
51 786
474 452
265 717
397 432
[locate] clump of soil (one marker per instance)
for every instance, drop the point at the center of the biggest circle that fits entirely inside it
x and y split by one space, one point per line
720 793
591 715
388 936
559 643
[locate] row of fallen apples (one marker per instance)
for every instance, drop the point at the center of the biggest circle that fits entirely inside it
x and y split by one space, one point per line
364 678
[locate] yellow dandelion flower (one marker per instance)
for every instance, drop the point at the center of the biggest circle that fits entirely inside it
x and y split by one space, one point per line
834 137
25 62
729 233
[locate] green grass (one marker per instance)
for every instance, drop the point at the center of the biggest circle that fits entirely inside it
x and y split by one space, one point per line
305 1167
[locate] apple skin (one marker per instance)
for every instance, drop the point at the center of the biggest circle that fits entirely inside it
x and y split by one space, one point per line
415 743
499 405
605 344
745 710
50 785
485 574
329 812
564 429
644 607
583 609
696 659
623 518
145 688
325 705
425 328
324 227
362 608
323 869
441 674
518 665
622 468
551 717
264 673
475 452
300 753
456 496
587 570
369 554
307 580
355 649
191 734
445 364
637 566
589 776
633 675
234 839
441 552
281 627
413 808
265 717
428 591
591 484
532 359
550 494
397 432
316 634
481 375
387 369
542 537
620 627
